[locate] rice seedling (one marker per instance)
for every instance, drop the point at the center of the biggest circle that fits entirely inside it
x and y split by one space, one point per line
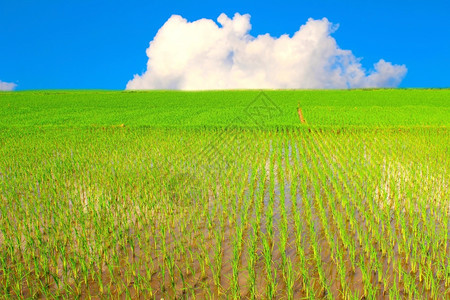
279 210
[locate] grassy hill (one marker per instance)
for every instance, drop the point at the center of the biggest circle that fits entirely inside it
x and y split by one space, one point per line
379 107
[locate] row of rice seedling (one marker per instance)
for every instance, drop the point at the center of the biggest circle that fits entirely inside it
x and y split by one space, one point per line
398 237
174 213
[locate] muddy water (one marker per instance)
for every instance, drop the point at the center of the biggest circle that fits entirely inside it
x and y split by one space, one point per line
197 280
173 253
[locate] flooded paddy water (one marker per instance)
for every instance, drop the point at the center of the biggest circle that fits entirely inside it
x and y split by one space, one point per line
293 214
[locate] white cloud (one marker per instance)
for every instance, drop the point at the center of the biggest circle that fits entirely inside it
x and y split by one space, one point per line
201 55
7 86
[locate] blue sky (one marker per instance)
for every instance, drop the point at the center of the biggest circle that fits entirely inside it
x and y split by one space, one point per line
101 44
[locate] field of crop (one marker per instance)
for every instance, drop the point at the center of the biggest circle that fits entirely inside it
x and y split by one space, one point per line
175 109
225 194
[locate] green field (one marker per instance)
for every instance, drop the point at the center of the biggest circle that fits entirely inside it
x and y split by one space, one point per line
381 108
220 194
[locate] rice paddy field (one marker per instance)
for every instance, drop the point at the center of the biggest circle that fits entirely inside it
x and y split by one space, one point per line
225 195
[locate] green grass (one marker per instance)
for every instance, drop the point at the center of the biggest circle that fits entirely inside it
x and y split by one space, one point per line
198 195
384 107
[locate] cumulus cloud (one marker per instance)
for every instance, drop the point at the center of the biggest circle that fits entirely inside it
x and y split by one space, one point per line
7 86
202 55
